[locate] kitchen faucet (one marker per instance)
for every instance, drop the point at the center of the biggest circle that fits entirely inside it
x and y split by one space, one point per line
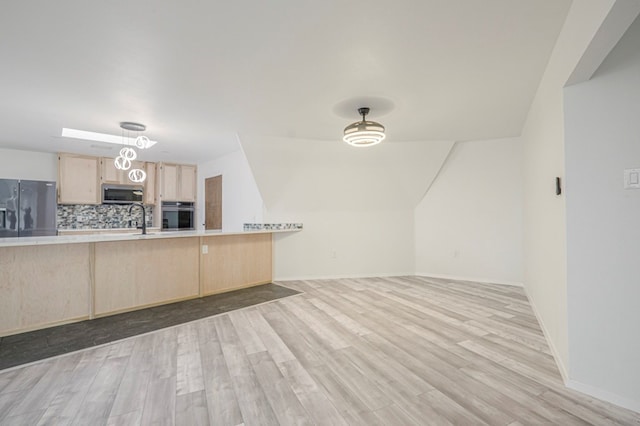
144 216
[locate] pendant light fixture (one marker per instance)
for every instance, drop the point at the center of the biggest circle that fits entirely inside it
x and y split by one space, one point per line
123 161
364 133
128 154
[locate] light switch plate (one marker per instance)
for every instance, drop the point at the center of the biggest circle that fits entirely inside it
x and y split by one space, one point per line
205 249
632 179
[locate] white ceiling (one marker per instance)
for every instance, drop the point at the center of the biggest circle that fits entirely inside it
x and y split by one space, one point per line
197 73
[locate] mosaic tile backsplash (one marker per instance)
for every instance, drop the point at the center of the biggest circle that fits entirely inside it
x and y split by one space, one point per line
271 226
89 216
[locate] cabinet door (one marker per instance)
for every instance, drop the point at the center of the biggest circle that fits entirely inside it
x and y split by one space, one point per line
109 172
119 177
169 182
78 179
150 184
187 183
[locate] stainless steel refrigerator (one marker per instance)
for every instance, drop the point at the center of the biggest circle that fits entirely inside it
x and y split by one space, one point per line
28 208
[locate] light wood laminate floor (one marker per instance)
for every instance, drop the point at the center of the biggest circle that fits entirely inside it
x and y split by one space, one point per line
392 351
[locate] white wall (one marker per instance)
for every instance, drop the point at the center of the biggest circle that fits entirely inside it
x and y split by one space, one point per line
318 175
469 224
544 212
241 200
356 204
602 138
338 244
544 222
29 165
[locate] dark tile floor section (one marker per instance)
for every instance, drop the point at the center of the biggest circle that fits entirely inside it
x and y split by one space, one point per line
36 345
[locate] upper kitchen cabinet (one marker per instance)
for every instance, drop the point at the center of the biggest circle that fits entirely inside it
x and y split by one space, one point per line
78 177
168 181
108 171
187 183
150 184
111 175
176 182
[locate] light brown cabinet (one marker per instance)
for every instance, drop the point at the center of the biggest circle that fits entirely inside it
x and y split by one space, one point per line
235 261
168 175
150 184
107 277
78 179
177 182
188 183
110 174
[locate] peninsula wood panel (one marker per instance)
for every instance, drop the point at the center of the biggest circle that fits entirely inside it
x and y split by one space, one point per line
368 351
236 261
43 286
135 274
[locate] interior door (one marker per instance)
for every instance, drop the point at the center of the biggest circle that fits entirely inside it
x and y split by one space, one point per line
213 202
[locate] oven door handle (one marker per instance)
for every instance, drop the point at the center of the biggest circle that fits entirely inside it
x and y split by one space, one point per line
178 209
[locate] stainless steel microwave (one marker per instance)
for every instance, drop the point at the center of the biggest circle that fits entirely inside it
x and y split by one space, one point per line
122 194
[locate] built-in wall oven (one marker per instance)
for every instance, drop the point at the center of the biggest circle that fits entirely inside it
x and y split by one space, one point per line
178 216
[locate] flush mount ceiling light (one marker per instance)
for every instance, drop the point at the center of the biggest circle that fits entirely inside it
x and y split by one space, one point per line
364 133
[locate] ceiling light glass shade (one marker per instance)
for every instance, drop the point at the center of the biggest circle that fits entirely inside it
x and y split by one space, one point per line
137 175
142 142
122 163
364 133
128 153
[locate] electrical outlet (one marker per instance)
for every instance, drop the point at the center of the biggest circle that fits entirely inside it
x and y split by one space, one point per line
632 178
205 249
80 218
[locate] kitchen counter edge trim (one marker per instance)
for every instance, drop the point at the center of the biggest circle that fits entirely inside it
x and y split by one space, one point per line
78 239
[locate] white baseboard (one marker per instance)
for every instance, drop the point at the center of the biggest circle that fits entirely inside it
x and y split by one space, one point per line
396 274
475 279
545 332
337 277
603 395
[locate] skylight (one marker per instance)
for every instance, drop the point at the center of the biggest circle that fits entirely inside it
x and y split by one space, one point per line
101 137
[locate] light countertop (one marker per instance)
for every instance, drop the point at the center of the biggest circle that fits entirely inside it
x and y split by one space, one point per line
91 231
76 239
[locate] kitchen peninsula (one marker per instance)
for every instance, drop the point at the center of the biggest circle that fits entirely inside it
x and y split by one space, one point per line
55 280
